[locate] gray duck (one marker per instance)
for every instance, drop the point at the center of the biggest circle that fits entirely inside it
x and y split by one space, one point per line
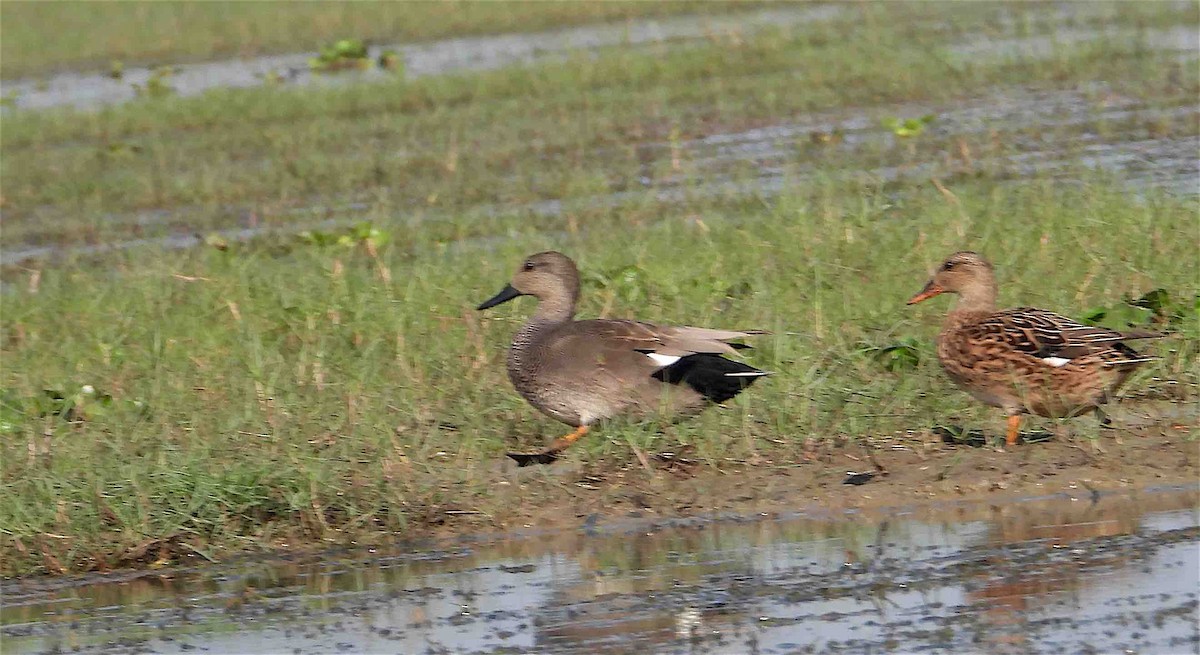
586 372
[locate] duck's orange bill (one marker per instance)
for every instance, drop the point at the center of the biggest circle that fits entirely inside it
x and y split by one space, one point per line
928 292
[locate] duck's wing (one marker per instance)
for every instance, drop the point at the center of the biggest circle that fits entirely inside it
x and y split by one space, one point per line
1054 338
661 345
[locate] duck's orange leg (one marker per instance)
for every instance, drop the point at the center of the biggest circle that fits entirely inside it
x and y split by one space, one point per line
560 444
1014 429
550 453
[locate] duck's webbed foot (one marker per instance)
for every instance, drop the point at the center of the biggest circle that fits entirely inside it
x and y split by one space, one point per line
549 454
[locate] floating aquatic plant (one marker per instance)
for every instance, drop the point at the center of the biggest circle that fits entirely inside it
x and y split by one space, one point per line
344 54
908 127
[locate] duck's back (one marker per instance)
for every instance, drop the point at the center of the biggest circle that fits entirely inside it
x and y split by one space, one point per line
580 372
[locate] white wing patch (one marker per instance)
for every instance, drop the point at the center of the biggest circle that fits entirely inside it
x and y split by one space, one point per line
1056 361
747 374
663 360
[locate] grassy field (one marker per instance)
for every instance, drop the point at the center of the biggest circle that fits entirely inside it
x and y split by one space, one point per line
41 38
446 144
316 389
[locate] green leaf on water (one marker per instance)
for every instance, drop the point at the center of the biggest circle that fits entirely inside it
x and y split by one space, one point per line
908 127
343 54
361 233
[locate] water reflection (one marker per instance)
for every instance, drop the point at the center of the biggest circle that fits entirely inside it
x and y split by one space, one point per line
1012 600
1013 577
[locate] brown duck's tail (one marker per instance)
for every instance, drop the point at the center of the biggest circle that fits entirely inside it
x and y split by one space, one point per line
1121 356
712 376
1133 335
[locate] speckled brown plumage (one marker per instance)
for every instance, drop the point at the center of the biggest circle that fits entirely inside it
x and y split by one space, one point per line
1025 360
584 372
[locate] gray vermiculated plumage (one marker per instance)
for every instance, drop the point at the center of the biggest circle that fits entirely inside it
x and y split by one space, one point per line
582 372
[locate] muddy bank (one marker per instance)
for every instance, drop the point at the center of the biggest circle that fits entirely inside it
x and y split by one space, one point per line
921 466
1057 573
1155 445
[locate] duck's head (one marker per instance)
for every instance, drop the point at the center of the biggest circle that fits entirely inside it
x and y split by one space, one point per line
965 273
548 276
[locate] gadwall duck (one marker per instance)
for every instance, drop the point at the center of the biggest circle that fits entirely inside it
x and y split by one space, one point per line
584 372
1025 360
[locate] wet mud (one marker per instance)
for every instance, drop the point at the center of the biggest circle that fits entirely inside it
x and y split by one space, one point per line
1102 572
1061 544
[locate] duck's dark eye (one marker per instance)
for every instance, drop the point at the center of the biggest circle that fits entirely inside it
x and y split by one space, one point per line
949 266
528 266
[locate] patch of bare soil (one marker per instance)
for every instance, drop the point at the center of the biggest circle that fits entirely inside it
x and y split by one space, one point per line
840 475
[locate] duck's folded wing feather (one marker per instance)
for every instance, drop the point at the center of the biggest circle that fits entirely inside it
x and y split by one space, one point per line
1049 336
693 340
664 344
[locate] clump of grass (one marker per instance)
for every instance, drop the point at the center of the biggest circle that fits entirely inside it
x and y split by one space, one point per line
390 60
1156 309
158 85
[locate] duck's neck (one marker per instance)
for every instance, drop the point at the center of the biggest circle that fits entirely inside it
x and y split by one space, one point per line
972 301
550 313
553 310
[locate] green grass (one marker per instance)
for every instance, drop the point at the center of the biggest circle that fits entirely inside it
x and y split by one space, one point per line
283 390
300 395
41 38
437 144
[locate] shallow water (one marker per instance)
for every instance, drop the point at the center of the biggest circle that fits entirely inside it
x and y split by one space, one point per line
89 90
1066 125
1092 573
1047 132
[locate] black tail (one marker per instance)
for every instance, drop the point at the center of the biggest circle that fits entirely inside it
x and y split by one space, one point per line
712 376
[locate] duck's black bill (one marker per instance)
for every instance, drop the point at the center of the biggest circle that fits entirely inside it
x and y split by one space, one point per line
506 294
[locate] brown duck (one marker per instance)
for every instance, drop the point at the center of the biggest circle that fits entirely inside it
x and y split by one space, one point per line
1025 360
585 372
